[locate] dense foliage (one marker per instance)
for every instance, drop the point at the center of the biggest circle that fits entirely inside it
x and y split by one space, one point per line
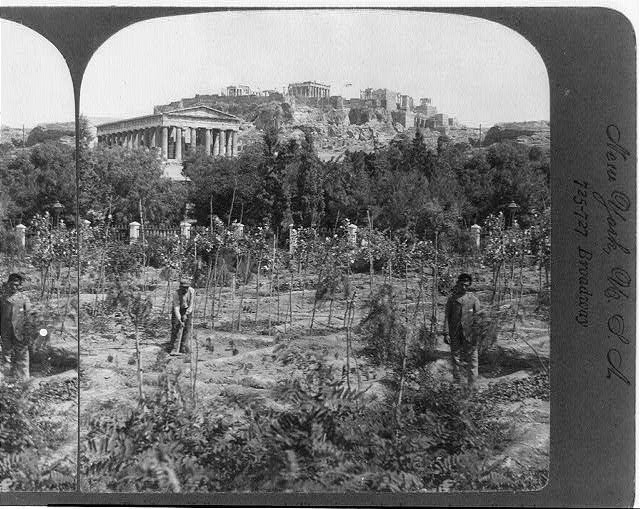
321 436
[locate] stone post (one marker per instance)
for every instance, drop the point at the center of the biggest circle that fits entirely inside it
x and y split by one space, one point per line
165 142
207 141
238 230
352 235
293 240
185 229
216 143
178 143
134 232
475 231
223 143
21 231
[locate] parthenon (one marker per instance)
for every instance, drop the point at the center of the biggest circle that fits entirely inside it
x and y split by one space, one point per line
173 132
309 89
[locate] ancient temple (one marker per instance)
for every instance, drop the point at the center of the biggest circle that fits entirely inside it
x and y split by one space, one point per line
174 132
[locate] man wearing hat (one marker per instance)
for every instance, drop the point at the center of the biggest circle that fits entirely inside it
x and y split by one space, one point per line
15 330
459 314
181 311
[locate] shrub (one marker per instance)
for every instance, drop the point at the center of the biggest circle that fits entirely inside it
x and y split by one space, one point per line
382 328
123 259
9 243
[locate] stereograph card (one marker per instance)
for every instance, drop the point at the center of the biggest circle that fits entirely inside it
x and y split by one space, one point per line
317 256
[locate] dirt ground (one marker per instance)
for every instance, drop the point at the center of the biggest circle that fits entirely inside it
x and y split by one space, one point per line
240 366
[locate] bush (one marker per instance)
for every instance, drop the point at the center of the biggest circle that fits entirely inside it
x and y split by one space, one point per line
22 443
382 328
156 250
9 243
123 259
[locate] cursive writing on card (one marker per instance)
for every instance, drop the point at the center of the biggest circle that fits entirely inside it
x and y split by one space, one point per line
616 206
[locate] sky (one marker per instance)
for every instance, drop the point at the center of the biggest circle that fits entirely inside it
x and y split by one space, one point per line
35 84
473 69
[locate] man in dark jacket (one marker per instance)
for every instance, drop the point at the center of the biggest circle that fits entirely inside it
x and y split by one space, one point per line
461 308
15 330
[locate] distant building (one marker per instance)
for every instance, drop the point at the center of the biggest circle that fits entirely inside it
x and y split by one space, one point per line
236 90
381 98
406 103
309 89
440 120
426 109
404 117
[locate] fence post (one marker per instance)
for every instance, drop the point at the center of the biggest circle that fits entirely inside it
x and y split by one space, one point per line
185 229
134 232
20 230
293 240
238 230
352 235
475 230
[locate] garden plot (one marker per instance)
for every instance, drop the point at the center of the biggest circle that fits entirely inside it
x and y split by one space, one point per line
267 368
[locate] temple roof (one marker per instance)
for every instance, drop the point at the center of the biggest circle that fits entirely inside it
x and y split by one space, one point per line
194 116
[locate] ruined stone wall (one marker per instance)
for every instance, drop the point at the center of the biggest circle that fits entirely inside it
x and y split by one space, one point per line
215 101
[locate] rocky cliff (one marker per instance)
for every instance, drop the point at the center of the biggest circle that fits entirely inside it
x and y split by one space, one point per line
338 130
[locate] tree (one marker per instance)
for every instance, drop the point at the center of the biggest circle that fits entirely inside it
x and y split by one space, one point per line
120 181
36 180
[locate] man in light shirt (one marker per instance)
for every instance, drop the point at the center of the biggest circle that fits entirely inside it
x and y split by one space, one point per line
181 316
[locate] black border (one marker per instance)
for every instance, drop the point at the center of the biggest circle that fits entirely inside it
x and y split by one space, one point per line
590 54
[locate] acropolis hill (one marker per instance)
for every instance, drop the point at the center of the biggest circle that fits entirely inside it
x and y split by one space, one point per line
337 124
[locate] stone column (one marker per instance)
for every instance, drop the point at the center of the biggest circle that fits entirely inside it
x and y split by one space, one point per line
20 230
153 137
234 143
136 138
229 148
134 232
165 142
194 138
216 143
207 141
223 142
178 143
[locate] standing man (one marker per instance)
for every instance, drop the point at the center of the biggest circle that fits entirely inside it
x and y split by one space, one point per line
181 311
459 314
15 327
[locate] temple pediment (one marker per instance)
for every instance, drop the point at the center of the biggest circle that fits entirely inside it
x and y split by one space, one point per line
202 112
